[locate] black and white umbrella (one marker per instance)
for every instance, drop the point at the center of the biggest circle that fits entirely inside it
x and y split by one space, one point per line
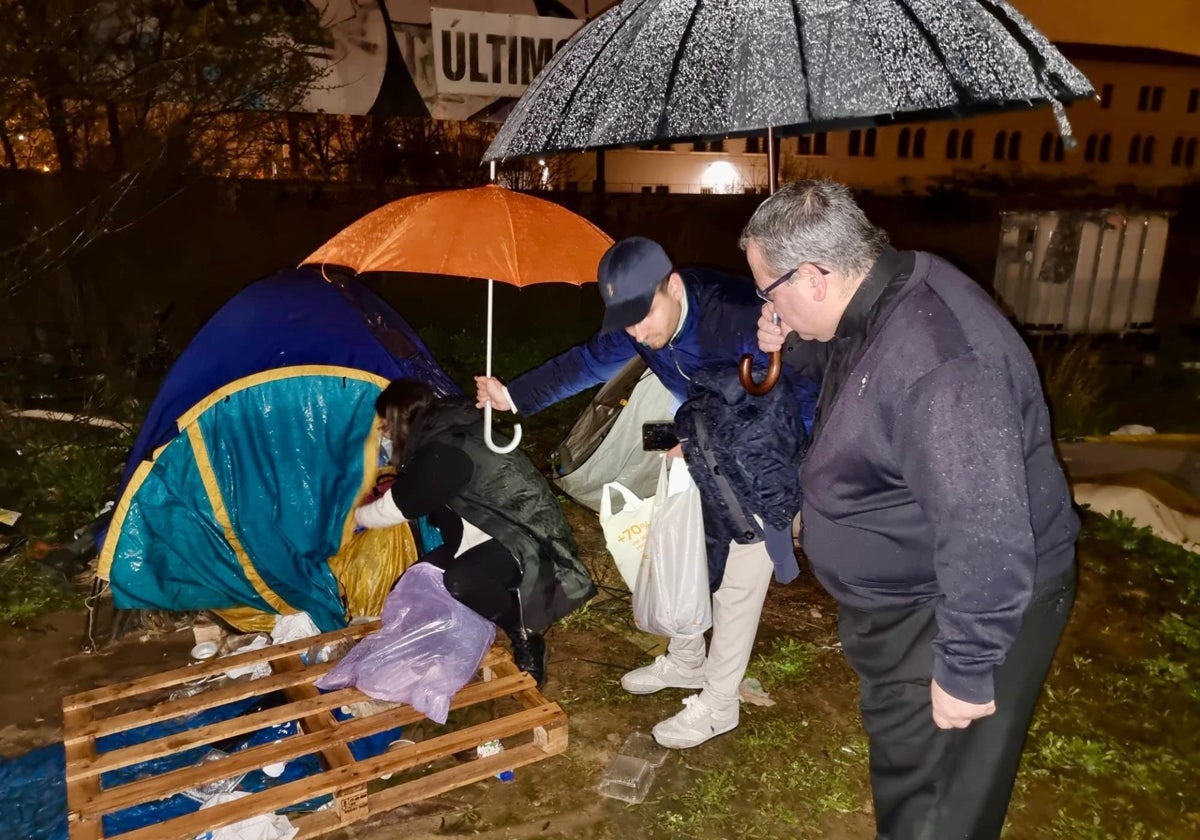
656 70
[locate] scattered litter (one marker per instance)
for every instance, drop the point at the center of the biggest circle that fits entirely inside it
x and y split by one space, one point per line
630 775
815 613
9 517
752 692
494 748
205 650
204 794
204 629
237 644
264 827
289 628
1135 429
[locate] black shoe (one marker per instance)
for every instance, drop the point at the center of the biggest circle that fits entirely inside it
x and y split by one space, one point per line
529 652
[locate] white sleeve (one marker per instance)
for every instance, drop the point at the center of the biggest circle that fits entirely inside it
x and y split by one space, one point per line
381 513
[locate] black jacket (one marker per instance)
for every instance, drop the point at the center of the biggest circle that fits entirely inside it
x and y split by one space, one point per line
511 501
932 478
743 453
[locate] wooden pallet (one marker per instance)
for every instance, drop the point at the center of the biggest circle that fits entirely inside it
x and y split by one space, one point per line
536 729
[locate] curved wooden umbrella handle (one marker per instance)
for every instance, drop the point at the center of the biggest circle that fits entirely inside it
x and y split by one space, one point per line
746 374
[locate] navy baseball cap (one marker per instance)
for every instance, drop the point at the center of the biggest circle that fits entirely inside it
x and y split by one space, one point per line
630 272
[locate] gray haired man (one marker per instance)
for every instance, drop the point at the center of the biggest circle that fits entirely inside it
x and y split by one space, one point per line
935 510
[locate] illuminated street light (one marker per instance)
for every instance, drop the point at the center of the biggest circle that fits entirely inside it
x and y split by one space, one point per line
722 176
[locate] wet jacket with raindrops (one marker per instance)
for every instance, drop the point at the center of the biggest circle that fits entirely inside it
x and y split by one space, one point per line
931 478
720 325
509 500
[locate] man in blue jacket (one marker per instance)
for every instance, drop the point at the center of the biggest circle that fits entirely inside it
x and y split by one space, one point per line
935 510
679 322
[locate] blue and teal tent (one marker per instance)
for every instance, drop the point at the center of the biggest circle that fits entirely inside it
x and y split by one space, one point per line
247 469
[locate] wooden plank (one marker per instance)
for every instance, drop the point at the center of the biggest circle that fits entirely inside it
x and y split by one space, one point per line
238 690
320 822
158 787
82 824
212 733
350 805
120 691
322 720
343 777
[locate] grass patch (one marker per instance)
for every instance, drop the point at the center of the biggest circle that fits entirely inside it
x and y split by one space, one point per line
28 591
788 663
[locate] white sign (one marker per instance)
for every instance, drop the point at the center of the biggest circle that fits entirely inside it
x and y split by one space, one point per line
493 55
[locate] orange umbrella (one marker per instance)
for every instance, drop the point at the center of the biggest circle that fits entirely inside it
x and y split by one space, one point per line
488 232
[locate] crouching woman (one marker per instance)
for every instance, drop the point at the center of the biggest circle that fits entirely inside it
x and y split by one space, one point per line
507 550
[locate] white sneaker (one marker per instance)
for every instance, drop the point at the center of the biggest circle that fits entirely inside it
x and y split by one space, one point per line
664 672
695 724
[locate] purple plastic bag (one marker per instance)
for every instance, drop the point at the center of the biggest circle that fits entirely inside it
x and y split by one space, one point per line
429 647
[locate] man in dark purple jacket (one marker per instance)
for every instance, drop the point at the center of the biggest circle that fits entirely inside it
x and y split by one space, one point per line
935 510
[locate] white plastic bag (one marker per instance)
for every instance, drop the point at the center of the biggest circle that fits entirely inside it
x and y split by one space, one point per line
626 530
671 596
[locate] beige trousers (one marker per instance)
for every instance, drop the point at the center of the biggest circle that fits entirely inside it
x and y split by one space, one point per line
737 607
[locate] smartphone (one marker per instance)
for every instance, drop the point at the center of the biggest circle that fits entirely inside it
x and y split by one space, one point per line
658 437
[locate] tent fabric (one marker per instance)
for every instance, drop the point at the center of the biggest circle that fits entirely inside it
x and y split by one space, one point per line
243 498
605 444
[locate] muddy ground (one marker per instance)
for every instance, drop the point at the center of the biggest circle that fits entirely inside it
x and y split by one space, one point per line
1113 752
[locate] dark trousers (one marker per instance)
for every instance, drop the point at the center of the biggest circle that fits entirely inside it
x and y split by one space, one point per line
484 578
946 784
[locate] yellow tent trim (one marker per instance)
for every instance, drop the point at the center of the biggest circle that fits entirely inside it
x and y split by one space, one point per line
204 467
370 471
276 375
121 509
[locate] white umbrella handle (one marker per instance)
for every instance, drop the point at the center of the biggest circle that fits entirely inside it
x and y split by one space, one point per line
487 406
487 432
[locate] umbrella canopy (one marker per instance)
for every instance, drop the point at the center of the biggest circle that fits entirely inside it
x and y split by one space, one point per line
650 70
487 232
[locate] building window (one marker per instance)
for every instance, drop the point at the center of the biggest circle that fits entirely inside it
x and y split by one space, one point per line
646 190
1177 152
706 191
699 146
1047 146
1156 98
903 143
808 145
1135 148
968 144
1014 146
752 146
1105 148
869 143
1189 157
1148 151
919 143
716 146
1106 95
1000 145
952 144
663 147
1193 100
1059 150
855 143
1089 149
662 189
1143 97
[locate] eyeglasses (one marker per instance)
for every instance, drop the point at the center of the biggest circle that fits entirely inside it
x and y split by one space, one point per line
765 294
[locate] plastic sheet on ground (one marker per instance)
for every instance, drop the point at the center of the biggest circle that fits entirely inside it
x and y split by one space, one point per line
1153 479
33 797
429 647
